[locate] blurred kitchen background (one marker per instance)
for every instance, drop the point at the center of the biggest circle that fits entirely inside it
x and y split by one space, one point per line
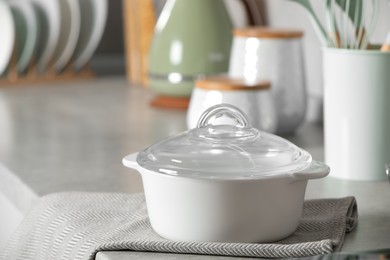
110 56
274 13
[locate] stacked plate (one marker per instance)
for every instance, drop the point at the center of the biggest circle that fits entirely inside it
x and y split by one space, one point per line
49 35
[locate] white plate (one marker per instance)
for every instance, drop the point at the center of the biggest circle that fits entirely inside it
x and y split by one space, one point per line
69 33
26 32
49 19
7 35
93 22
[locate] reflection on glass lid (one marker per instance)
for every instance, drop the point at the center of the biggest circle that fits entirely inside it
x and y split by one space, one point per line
224 151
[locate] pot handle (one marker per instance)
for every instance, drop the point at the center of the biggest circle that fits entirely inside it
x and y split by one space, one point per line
316 170
130 161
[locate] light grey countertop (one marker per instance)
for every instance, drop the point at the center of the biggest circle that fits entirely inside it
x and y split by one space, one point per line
73 135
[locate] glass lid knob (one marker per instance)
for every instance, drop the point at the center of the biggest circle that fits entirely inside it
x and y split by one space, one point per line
221 110
239 128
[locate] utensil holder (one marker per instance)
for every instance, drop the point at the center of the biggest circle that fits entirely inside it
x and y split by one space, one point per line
357 113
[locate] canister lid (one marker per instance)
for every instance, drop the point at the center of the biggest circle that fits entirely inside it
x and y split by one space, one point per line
223 82
225 151
266 32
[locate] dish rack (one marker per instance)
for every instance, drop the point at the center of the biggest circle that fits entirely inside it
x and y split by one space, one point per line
49 41
33 77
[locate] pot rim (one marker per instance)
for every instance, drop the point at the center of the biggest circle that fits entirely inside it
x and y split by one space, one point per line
222 179
306 173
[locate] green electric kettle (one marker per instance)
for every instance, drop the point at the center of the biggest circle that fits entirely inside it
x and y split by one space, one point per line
191 38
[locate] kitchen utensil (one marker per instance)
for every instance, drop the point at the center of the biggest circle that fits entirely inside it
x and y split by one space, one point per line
191 38
360 29
333 34
253 99
356 21
371 25
321 33
225 183
365 17
350 15
7 32
345 24
353 11
356 109
260 53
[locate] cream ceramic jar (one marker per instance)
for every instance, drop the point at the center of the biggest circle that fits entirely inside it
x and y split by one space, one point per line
260 53
252 98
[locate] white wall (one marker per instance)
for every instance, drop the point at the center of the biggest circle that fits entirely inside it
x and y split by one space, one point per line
287 14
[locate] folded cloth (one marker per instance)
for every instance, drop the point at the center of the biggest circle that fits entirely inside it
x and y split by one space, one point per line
78 225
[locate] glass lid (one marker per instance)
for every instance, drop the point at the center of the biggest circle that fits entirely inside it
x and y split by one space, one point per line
230 150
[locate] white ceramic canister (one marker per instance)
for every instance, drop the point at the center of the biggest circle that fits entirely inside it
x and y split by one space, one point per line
252 98
260 53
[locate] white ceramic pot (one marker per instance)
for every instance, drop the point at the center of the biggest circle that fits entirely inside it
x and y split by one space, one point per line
252 98
260 53
225 183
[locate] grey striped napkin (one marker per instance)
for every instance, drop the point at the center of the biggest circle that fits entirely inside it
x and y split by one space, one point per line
78 225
